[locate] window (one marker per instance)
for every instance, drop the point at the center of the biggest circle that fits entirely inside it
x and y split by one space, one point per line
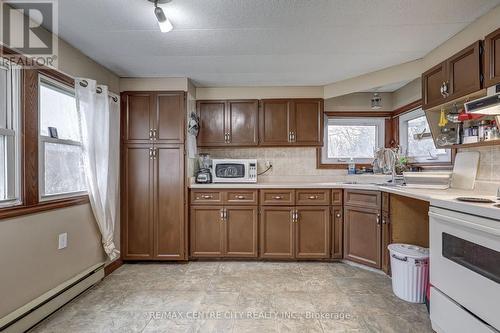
10 87
61 156
352 137
416 140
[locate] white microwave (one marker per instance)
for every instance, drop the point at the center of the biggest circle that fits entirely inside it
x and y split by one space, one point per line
234 171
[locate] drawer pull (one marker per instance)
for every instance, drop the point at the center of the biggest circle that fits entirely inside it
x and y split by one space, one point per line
313 197
277 197
240 197
206 196
338 215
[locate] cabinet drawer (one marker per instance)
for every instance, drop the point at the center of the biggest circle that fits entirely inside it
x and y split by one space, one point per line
362 198
208 197
277 197
312 197
241 197
337 197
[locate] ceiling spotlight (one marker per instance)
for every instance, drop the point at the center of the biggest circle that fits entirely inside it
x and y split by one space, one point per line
376 101
163 21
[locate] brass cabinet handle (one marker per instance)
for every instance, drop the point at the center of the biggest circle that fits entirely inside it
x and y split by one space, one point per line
290 136
278 197
378 219
296 216
206 196
240 197
313 197
222 214
338 215
150 134
154 133
293 137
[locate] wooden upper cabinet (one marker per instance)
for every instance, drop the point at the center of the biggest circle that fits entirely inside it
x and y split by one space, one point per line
464 72
432 82
455 77
308 122
242 122
153 117
137 195
312 232
275 122
169 202
362 236
492 58
212 123
228 123
136 114
170 117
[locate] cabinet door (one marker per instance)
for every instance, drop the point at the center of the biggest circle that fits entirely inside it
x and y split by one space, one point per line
337 232
308 120
137 122
464 72
212 123
492 58
386 240
170 115
242 122
206 229
312 232
276 232
137 196
432 81
275 122
362 236
169 242
241 232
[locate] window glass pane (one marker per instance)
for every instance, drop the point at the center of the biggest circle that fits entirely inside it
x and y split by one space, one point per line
351 141
3 169
421 148
64 171
3 97
58 109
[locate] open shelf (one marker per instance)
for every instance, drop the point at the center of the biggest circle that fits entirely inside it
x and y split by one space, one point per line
476 144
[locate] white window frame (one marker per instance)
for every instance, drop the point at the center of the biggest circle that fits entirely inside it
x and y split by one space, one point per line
379 122
403 139
42 140
13 149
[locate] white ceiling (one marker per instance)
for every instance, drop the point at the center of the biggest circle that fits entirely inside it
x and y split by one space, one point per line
262 42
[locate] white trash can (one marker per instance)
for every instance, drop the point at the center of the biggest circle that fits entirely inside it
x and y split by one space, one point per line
410 271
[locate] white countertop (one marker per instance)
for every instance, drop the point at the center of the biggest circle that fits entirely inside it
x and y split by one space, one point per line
439 198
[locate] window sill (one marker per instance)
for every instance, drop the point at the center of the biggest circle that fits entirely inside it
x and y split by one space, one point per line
15 211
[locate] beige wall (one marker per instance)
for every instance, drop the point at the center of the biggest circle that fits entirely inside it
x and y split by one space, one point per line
407 94
30 263
358 102
259 92
154 83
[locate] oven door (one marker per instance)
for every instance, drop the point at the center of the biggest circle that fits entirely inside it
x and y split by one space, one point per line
230 172
465 261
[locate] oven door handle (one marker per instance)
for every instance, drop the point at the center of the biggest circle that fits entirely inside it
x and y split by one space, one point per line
466 224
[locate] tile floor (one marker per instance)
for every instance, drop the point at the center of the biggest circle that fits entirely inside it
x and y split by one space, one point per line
240 297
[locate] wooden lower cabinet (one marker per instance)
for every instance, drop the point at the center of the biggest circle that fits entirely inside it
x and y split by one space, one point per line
312 232
218 231
240 232
337 232
386 240
362 235
276 232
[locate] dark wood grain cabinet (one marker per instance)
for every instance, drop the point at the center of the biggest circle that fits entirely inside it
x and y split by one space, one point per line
291 122
153 117
206 231
153 202
228 123
240 231
312 232
455 77
277 232
492 58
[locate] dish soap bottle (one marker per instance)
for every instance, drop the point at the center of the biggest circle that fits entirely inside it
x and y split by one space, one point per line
351 169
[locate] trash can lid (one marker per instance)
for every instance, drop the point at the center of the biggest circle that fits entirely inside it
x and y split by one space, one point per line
411 251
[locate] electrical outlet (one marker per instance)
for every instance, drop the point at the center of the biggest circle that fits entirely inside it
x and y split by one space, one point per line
63 241
269 164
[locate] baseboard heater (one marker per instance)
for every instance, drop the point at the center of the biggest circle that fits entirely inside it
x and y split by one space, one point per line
32 313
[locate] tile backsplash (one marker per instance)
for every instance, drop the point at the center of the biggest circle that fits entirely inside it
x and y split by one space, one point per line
296 161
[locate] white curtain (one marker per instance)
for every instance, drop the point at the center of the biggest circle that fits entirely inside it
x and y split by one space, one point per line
100 114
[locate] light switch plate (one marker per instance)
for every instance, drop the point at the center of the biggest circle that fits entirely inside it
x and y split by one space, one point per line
63 241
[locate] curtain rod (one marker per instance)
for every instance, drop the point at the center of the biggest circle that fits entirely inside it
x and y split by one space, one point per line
85 84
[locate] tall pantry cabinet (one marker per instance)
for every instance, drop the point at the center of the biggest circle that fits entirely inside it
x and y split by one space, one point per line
152 176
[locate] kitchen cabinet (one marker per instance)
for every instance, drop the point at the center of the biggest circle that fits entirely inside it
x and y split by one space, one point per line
206 231
153 117
312 232
386 233
240 232
280 197
276 232
153 202
492 58
455 77
228 123
363 198
291 122
337 232
305 197
362 236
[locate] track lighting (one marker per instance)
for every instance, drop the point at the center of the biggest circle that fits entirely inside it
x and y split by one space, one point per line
163 21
